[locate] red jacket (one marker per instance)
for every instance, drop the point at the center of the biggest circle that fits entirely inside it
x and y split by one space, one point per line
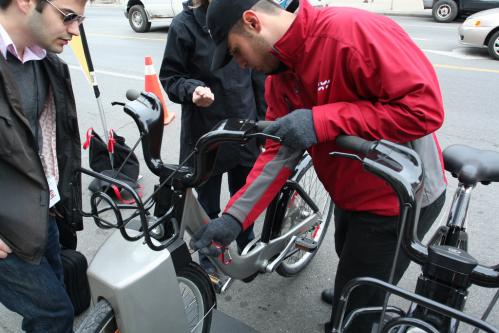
361 74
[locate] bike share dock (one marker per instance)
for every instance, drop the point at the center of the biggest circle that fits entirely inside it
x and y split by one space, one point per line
223 323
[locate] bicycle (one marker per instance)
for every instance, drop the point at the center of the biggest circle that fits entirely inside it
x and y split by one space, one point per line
128 276
447 269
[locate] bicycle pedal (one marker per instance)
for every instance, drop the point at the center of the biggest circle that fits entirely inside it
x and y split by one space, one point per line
226 285
306 244
214 279
220 284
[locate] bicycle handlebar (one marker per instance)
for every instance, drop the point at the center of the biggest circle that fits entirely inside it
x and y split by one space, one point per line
355 144
132 94
402 169
262 125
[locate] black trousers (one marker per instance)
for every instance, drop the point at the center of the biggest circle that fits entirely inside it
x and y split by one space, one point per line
366 244
209 198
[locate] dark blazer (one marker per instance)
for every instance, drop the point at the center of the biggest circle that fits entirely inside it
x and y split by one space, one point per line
186 65
24 194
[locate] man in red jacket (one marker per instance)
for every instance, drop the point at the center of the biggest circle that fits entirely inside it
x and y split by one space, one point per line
333 71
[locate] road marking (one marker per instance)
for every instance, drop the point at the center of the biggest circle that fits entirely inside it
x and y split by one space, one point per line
125 76
456 53
126 37
163 39
441 27
469 69
141 78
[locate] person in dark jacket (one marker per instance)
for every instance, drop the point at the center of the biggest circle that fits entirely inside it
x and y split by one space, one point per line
39 152
207 97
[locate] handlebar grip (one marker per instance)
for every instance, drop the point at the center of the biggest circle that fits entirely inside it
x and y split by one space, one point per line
354 143
132 94
263 124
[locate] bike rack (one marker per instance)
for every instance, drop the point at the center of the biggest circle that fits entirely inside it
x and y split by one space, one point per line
150 231
339 325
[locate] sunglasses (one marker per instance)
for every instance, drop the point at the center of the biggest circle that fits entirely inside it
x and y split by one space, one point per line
69 17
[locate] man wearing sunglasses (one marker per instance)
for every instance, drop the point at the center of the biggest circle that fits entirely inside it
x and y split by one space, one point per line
39 151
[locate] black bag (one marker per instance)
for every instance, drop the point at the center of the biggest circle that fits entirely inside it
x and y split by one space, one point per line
99 161
75 279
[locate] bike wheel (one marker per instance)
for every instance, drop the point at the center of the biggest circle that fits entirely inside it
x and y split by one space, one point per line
297 210
197 294
100 320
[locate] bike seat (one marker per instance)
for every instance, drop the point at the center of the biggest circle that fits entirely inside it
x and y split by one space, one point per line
470 165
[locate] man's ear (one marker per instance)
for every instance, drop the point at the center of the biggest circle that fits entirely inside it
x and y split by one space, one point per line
252 21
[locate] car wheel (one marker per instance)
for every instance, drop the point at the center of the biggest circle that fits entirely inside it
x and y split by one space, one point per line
493 46
444 11
138 19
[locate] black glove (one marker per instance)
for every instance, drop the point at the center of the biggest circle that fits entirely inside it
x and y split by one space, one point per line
222 230
296 129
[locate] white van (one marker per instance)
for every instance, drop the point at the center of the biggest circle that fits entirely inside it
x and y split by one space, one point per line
141 13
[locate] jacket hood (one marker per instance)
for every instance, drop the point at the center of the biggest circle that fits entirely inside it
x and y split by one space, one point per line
199 14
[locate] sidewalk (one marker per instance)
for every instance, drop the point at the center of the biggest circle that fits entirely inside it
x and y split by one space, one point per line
387 7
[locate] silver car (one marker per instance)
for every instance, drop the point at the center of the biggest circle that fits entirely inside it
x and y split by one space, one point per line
482 30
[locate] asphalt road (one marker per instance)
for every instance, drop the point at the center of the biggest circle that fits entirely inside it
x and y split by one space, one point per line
469 82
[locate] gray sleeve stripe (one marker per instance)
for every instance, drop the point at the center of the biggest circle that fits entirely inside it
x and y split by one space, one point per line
285 158
434 177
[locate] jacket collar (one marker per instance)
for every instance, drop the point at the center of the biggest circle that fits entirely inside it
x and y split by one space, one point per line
34 52
290 47
200 17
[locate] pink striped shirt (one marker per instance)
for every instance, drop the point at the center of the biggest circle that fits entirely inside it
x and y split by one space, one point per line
47 117
30 53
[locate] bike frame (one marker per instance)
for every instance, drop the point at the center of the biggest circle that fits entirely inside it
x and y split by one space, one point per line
256 257
126 272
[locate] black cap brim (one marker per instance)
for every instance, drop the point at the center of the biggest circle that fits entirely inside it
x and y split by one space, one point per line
221 56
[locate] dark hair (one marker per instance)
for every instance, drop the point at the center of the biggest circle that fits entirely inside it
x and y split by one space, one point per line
265 6
39 6
5 3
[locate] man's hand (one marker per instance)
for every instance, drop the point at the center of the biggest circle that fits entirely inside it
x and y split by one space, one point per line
202 96
222 230
296 129
4 250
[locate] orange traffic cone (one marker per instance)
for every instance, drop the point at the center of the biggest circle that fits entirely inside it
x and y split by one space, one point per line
151 84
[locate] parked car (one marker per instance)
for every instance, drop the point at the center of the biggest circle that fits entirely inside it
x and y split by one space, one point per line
141 13
482 30
448 10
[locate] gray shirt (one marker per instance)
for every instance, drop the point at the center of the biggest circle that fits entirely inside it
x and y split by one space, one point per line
32 83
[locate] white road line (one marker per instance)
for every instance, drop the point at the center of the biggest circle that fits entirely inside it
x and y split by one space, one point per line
418 38
456 53
125 76
443 27
125 37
